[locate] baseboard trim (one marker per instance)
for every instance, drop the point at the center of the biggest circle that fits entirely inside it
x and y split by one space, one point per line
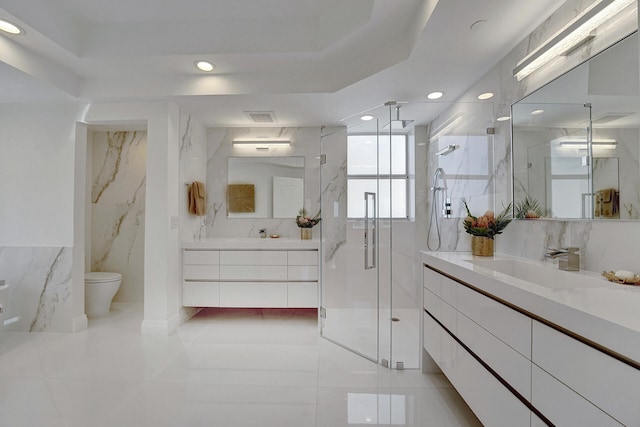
79 323
160 327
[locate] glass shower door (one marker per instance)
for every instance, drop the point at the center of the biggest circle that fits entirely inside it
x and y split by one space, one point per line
349 248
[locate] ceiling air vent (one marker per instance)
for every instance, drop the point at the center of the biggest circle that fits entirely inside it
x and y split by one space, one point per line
261 116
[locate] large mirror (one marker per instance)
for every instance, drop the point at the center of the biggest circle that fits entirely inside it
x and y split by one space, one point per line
265 187
576 141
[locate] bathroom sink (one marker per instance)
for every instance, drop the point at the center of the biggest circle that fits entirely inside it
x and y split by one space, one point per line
548 276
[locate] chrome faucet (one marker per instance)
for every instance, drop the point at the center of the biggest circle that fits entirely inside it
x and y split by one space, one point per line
263 233
568 258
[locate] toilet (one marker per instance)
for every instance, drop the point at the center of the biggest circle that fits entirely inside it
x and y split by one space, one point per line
99 289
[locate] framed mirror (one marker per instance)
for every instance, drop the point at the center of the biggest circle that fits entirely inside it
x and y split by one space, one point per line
576 141
265 187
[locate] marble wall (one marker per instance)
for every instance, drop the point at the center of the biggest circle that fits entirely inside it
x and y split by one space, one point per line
193 167
39 295
604 244
305 142
118 208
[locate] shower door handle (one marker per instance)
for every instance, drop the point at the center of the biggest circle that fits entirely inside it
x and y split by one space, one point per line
370 244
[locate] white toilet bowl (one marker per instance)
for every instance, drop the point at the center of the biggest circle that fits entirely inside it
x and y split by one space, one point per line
99 289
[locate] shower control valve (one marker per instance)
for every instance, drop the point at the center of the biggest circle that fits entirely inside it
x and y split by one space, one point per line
446 209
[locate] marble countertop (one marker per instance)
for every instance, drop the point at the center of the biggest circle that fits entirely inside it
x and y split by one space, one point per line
604 312
252 243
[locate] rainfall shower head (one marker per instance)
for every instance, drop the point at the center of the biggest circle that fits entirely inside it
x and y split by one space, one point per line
398 124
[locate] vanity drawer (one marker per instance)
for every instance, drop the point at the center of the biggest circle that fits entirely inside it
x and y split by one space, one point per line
302 294
201 272
253 294
563 406
253 272
302 257
432 338
201 257
507 362
432 281
606 382
201 294
503 322
253 257
302 272
492 403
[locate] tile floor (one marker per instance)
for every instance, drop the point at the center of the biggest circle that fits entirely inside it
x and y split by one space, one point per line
228 369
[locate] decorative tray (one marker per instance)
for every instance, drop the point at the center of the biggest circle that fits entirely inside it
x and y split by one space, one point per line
633 281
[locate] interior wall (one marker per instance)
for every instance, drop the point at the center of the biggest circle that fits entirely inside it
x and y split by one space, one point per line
528 238
118 182
162 305
305 141
37 165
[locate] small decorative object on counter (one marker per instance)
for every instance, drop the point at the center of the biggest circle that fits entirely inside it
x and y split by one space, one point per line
484 229
306 223
623 277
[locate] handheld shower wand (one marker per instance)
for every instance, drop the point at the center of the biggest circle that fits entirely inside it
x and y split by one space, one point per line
445 202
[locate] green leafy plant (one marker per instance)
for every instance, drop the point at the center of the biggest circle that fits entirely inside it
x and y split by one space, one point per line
486 225
528 208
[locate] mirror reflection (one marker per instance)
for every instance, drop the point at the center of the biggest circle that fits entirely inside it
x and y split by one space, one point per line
576 141
265 187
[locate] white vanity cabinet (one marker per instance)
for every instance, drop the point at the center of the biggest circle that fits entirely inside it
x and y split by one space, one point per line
456 339
512 365
268 278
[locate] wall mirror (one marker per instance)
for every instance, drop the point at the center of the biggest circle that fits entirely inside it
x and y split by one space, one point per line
576 141
265 187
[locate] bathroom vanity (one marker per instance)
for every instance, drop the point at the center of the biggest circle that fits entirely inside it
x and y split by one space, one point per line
528 345
250 272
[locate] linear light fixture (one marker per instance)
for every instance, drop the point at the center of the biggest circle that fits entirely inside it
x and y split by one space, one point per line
581 143
570 35
261 143
446 126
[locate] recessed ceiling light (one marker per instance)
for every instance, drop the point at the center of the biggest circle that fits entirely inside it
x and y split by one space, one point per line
435 95
486 95
536 112
366 118
204 65
10 28
503 118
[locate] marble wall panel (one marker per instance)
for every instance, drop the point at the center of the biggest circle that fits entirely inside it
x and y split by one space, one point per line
118 208
305 141
39 295
192 167
603 243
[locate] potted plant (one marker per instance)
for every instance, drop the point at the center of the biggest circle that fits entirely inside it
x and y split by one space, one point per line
306 223
484 228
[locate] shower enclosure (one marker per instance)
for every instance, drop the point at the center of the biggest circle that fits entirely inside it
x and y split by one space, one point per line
368 231
374 199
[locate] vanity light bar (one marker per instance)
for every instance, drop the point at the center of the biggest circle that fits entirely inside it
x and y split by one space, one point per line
260 143
570 35
581 143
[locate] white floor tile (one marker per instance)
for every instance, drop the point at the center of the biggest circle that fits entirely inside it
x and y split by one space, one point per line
227 368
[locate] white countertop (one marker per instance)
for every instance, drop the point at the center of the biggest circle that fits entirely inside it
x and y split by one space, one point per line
605 312
251 243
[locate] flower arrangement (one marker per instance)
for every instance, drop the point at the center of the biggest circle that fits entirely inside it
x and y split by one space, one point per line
487 225
303 220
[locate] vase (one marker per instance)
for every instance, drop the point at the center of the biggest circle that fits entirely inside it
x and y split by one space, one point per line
481 246
305 233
